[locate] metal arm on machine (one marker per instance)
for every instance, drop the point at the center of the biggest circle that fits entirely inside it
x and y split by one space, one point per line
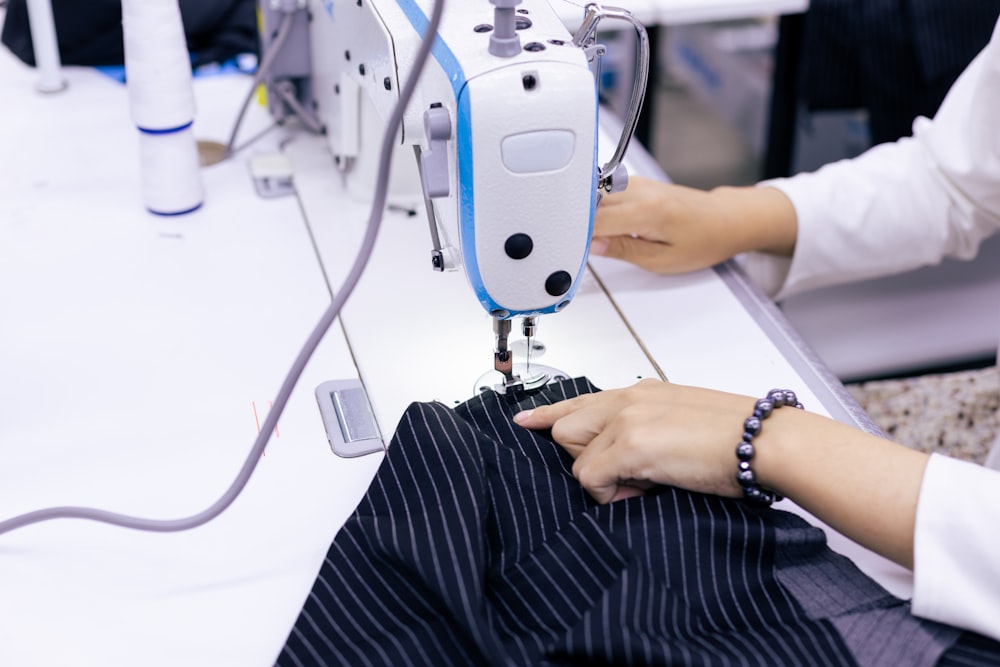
612 176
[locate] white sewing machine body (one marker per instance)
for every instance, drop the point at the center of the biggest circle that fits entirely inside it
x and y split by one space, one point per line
507 144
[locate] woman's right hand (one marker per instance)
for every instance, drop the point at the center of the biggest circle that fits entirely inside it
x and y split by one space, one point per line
649 433
625 440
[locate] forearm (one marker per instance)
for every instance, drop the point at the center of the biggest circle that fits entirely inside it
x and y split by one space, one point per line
863 486
762 218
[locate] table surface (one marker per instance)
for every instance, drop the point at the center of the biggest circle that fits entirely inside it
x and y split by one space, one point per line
138 356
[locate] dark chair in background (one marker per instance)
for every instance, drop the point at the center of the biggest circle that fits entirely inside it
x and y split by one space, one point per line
90 33
895 59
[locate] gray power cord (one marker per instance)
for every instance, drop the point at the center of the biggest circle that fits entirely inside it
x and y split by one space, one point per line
284 89
360 262
281 36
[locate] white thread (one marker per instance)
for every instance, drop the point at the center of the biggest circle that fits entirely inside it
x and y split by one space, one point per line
157 64
171 176
161 97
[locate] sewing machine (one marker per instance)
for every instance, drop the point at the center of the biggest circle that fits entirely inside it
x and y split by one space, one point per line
505 115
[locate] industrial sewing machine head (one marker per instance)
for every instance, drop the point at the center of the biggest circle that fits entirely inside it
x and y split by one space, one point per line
504 126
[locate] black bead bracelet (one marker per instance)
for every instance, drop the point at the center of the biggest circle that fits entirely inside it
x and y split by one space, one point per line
762 409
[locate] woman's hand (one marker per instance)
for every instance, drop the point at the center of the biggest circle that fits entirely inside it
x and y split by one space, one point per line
649 433
671 229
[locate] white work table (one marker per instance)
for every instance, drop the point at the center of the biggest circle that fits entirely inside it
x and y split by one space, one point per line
138 355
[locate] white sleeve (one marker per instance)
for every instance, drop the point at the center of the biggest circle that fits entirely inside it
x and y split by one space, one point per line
956 573
900 205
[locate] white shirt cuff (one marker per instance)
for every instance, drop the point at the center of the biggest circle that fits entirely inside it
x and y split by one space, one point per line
957 546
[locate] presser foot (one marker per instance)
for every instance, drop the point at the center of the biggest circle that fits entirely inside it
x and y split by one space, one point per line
519 379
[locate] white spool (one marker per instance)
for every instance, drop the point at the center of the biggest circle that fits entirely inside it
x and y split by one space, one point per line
171 176
158 76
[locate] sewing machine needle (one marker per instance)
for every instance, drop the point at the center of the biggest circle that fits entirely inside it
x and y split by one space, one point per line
528 329
527 363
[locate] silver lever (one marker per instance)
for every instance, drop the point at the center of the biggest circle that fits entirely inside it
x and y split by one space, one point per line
584 38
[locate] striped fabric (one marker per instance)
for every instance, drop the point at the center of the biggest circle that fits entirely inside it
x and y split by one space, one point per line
972 650
476 546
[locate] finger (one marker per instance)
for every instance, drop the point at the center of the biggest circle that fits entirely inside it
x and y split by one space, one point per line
595 471
576 431
626 491
622 219
632 488
599 246
603 490
649 255
544 416
620 456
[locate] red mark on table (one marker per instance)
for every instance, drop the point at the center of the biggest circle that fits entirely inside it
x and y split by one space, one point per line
256 419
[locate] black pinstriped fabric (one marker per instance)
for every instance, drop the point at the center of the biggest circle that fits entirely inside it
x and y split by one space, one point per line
972 650
476 546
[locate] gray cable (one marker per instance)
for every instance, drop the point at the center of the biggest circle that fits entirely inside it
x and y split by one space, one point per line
360 262
278 43
286 90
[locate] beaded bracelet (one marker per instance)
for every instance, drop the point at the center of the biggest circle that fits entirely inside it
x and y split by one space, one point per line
762 409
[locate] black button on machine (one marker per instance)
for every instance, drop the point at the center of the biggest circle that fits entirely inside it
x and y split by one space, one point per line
518 246
558 283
